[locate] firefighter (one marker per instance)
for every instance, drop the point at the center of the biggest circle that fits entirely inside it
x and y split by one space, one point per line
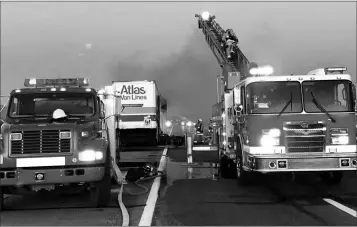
199 126
229 40
199 138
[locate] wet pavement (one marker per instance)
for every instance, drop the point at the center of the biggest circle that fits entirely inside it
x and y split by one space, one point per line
58 210
192 196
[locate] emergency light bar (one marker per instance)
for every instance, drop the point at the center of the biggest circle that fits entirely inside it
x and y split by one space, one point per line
335 69
206 16
80 82
262 71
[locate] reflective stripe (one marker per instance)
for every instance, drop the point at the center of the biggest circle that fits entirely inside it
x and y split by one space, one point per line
139 110
129 118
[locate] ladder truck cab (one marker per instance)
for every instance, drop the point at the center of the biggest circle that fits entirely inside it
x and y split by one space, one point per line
54 137
296 123
285 123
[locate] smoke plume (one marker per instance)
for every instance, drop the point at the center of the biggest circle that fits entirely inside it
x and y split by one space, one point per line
187 79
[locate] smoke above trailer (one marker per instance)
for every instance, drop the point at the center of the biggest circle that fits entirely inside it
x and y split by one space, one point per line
187 79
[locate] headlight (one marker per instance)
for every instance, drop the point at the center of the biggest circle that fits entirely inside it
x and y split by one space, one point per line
90 155
15 136
85 134
274 132
168 123
269 141
339 136
270 137
339 140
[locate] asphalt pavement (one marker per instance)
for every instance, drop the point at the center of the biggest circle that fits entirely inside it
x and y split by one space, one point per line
58 210
192 196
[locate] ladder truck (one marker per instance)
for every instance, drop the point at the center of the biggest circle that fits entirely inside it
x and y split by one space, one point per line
284 123
233 69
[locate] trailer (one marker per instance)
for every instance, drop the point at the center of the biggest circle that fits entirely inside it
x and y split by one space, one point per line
143 114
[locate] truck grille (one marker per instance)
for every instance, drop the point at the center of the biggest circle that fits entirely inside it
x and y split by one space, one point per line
310 139
40 142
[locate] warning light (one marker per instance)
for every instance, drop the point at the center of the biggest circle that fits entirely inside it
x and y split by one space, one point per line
341 70
75 82
262 71
205 15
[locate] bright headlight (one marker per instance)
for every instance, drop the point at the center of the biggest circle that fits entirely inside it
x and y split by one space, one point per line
274 132
168 123
90 155
340 140
269 141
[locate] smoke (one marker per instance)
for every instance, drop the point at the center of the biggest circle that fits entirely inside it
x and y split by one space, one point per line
187 79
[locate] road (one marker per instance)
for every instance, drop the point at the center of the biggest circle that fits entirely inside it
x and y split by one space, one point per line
203 200
193 196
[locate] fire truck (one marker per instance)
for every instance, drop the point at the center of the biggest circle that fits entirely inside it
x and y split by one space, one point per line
56 136
285 123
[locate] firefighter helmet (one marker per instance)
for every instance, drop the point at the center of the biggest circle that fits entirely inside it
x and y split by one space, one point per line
59 113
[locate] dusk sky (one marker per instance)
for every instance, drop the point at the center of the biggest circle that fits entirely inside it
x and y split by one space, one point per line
161 41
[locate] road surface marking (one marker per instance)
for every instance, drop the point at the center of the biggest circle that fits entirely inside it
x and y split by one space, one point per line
149 209
341 207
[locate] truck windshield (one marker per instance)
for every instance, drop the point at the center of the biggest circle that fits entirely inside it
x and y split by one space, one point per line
74 104
272 97
332 95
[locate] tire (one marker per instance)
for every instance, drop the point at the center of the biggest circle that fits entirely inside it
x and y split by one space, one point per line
224 167
332 178
243 177
1 198
102 193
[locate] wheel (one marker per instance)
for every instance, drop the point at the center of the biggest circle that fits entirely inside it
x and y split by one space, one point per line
102 191
1 199
224 167
332 178
243 177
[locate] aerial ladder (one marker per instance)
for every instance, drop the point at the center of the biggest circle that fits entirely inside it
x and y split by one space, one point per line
238 65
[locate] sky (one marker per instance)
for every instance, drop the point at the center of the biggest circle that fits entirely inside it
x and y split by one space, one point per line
161 41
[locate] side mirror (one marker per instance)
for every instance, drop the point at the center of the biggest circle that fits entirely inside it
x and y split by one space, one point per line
354 92
102 115
238 108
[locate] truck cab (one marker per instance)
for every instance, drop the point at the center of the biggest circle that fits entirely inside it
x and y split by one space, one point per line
53 138
295 123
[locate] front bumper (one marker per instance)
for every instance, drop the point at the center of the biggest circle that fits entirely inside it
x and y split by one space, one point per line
260 160
58 175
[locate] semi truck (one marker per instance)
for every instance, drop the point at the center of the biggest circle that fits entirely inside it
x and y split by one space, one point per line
143 114
56 135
